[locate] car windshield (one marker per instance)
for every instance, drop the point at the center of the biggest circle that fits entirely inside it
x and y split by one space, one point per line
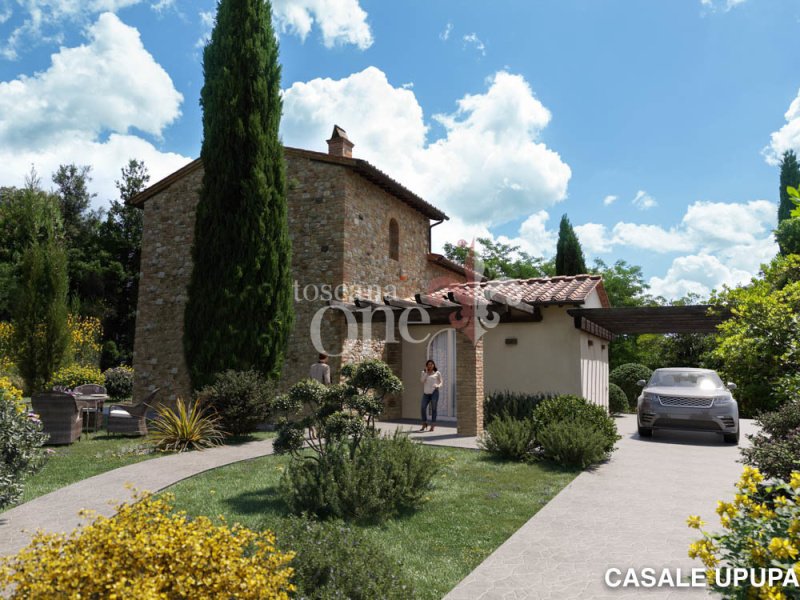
687 379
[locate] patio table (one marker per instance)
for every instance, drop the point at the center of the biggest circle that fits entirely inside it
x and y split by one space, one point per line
91 404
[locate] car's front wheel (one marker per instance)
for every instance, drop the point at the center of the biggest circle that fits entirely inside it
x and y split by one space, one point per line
732 438
645 431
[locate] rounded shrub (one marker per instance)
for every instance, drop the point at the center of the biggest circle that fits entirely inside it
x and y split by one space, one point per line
74 375
371 482
21 441
775 448
335 560
515 404
119 382
149 551
617 400
788 236
509 438
572 444
626 376
241 398
579 411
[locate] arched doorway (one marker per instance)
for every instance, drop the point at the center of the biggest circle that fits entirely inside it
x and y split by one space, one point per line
442 351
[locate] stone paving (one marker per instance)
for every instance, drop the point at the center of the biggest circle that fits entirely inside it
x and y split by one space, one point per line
629 512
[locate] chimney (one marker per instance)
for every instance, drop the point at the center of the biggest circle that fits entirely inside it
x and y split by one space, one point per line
339 145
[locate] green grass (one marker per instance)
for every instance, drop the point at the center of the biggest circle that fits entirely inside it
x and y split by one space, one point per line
95 453
476 505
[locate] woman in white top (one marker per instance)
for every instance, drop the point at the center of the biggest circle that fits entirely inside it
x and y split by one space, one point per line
431 381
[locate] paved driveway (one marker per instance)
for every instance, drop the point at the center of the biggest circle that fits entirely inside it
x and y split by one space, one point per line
630 512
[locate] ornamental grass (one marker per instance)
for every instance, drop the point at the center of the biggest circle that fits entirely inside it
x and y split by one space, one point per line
186 428
147 551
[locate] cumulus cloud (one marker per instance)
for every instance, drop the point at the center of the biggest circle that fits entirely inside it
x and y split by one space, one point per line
339 21
698 274
534 237
787 137
594 238
85 107
489 167
610 199
644 201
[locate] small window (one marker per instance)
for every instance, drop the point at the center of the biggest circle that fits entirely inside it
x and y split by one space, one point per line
394 240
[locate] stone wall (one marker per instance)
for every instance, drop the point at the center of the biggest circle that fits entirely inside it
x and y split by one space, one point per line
469 375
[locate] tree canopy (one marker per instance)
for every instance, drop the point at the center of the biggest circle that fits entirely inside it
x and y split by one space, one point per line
569 254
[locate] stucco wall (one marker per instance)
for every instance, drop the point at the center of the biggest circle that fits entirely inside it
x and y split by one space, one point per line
594 369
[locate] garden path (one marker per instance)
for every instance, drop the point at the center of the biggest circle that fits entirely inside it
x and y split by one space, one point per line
58 511
628 512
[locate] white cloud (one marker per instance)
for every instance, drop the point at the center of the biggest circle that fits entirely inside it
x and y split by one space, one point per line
473 40
594 238
488 168
721 5
653 238
610 199
644 201
340 21
207 19
84 107
534 237
445 35
162 5
787 137
698 274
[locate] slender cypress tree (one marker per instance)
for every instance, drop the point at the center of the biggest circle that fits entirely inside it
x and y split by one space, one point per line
569 254
239 311
790 176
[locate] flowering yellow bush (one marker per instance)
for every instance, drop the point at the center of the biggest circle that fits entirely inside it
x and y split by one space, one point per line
6 355
9 392
85 334
75 375
148 552
761 530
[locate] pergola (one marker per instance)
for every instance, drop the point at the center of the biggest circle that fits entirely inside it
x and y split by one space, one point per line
699 318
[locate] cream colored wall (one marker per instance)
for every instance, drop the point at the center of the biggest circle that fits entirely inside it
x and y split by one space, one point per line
546 357
594 369
414 357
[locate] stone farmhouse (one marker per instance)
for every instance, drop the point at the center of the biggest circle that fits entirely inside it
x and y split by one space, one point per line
361 254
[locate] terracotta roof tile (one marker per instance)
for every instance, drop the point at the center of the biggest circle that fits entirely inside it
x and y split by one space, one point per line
547 290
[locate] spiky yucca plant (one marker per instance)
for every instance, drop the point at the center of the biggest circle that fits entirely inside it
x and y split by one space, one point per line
186 428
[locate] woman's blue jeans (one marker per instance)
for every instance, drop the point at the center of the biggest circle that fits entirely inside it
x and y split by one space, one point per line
433 400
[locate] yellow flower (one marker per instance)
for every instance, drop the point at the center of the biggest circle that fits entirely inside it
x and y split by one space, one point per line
795 480
782 548
694 522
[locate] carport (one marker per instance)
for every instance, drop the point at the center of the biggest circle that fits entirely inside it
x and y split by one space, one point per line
611 322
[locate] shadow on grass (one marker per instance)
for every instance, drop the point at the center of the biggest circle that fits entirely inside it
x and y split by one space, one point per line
544 464
259 501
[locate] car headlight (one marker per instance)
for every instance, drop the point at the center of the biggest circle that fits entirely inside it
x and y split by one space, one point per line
649 397
722 400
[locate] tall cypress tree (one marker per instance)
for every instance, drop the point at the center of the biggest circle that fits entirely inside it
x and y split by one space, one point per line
790 176
569 254
239 311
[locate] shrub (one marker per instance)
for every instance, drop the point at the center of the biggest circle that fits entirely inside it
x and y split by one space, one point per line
21 441
775 449
626 376
788 236
11 391
509 437
760 529
335 560
147 551
617 400
118 382
84 335
182 428
6 346
572 444
241 398
383 477
514 404
579 411
74 375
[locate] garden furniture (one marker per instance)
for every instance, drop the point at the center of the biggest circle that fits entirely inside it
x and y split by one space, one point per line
130 419
91 398
60 415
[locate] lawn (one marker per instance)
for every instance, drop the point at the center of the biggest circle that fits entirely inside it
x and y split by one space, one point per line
95 453
476 505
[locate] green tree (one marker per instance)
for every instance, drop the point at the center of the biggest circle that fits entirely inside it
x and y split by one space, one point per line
500 261
569 254
759 347
239 312
39 312
790 176
121 240
624 283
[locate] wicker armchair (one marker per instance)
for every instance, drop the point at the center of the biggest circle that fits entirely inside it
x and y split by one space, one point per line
131 420
60 416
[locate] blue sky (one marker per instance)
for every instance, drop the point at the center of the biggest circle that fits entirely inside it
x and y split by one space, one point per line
654 125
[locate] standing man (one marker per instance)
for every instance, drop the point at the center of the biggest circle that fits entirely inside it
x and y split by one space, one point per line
320 370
